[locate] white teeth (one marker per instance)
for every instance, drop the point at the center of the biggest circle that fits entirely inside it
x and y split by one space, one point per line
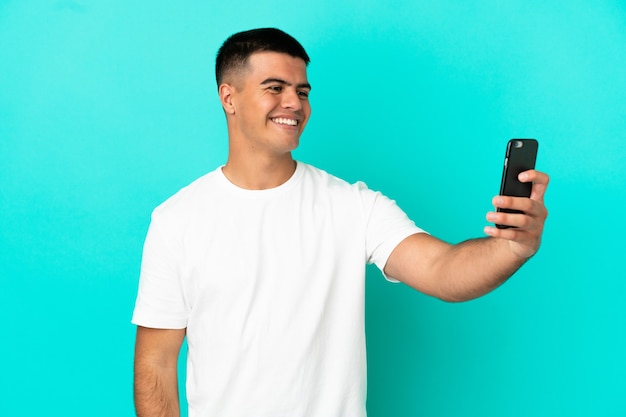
283 121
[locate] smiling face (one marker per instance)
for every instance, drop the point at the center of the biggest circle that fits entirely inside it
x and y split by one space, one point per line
267 104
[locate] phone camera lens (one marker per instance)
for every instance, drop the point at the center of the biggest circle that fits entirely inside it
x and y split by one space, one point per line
518 144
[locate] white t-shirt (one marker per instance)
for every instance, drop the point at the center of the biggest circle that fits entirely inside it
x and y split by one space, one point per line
270 287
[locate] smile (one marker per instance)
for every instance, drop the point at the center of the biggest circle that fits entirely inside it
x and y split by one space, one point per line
285 121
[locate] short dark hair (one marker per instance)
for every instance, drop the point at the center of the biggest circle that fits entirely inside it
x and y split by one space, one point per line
235 51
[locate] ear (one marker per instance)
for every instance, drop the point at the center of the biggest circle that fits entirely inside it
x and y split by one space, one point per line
226 92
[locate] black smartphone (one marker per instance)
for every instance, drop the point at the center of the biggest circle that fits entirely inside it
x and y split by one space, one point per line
521 155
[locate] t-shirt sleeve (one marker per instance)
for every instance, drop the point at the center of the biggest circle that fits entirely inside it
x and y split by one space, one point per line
160 299
387 226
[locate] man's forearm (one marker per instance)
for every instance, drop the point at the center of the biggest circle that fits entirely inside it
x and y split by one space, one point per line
475 267
156 391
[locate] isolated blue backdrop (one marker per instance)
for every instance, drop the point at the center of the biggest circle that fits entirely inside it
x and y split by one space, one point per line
108 107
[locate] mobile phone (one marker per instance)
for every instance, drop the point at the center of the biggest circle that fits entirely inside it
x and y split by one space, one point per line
521 155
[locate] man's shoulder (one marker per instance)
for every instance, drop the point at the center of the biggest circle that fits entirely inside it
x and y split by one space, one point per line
322 178
190 196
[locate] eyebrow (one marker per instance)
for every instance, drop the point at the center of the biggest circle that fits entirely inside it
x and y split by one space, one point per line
283 82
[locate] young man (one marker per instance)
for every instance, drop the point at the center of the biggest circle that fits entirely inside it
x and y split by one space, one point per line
261 263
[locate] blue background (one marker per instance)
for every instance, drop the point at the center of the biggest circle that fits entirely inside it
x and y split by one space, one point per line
109 107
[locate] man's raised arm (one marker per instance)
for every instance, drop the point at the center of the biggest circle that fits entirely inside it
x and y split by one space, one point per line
472 268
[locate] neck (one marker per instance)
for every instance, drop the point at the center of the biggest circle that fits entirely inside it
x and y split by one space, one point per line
259 174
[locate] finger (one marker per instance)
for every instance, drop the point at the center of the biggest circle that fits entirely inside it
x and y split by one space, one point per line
516 220
535 176
507 234
535 211
515 203
523 244
540 182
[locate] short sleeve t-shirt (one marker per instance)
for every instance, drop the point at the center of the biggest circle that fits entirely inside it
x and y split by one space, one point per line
270 287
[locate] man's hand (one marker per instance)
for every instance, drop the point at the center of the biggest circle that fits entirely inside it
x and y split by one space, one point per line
525 238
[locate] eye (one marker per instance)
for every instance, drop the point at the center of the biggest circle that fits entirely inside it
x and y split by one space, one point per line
303 94
276 88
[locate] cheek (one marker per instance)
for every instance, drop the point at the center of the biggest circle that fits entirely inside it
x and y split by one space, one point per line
268 105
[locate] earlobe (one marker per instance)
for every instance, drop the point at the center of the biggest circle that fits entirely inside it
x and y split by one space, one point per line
226 97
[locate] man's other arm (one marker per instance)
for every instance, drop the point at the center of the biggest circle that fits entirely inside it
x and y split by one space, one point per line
472 268
156 379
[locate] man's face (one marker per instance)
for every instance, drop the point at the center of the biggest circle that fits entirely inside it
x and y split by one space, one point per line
270 103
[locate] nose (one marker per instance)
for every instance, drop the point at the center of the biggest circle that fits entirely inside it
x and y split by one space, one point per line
291 100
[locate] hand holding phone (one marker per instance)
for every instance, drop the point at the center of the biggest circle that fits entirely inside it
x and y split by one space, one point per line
521 155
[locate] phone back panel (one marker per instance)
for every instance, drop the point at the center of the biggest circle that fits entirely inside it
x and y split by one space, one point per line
521 155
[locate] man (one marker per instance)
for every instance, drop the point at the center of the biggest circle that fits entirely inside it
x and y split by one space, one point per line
261 263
